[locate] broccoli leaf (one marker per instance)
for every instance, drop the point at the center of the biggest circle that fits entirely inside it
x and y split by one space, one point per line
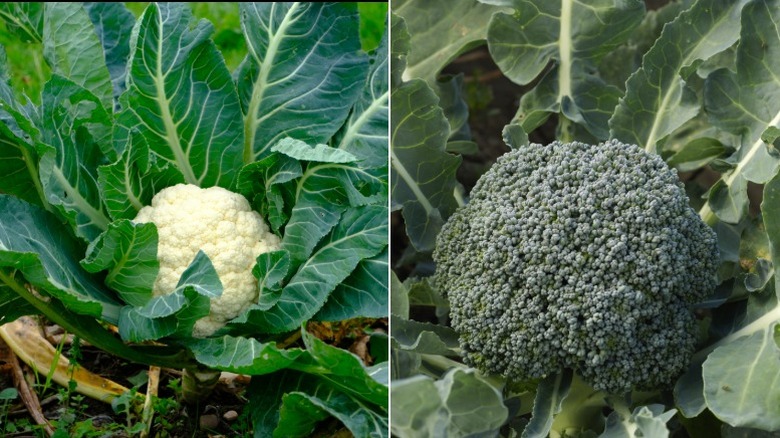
180 97
423 174
550 394
460 404
657 99
577 36
747 103
285 40
441 30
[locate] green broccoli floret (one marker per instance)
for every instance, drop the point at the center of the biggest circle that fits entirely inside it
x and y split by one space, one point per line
577 256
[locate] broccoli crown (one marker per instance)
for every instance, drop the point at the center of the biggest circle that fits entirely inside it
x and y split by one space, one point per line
577 256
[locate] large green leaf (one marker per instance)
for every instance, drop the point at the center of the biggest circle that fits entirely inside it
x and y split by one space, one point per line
131 182
740 381
24 18
423 174
441 30
344 370
324 192
128 251
292 403
177 311
460 404
423 337
361 233
113 25
13 305
576 35
78 59
747 103
241 355
657 99
44 251
281 94
550 393
180 97
647 421
74 125
269 185
18 160
362 294
365 132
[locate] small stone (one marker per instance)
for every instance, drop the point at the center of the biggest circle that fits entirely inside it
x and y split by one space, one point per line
209 421
230 416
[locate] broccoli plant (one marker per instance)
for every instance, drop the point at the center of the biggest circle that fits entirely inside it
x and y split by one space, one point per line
174 213
600 268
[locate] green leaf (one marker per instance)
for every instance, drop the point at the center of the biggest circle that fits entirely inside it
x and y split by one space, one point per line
113 25
576 35
269 185
128 251
24 19
514 136
130 183
657 99
94 332
399 297
321 153
12 305
323 193
42 249
272 270
440 31
696 153
73 125
550 394
362 294
649 421
134 327
747 102
423 174
365 133
18 156
361 233
240 355
180 97
175 312
460 404
740 381
344 370
423 337
75 57
291 403
279 96
399 48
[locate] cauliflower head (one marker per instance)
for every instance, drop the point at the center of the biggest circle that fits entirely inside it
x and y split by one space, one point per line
578 256
224 226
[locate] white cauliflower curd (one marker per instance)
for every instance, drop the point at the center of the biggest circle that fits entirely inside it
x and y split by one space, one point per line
224 226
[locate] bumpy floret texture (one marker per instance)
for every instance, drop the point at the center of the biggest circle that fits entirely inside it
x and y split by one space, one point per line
224 226
577 256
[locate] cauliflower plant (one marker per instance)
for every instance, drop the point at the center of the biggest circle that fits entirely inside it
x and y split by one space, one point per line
224 226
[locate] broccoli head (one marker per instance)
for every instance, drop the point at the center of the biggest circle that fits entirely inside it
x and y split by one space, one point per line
577 256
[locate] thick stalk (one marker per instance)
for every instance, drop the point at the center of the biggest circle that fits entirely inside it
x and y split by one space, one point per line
197 383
